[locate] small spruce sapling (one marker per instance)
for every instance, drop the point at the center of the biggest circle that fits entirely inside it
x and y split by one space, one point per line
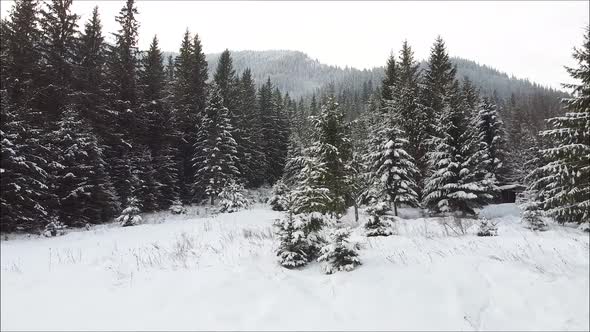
293 246
130 215
340 254
232 199
54 228
177 207
278 200
534 220
379 223
487 228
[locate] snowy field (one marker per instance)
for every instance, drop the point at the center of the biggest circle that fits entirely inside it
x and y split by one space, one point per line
219 272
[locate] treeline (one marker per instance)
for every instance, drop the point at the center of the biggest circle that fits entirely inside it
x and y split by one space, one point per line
430 141
92 128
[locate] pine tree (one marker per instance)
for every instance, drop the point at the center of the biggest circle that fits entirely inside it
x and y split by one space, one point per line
215 150
567 193
456 183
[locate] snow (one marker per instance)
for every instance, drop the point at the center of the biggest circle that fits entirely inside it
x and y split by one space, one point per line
205 271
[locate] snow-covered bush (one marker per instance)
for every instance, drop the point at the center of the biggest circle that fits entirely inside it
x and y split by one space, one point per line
339 254
54 228
487 228
177 207
533 219
232 198
130 215
531 211
585 227
379 223
278 200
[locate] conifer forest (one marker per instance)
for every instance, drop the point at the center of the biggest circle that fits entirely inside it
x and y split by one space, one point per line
174 189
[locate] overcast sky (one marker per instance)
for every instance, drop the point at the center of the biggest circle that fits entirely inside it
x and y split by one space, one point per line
528 39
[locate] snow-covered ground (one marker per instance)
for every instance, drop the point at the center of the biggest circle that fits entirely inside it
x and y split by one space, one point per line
216 272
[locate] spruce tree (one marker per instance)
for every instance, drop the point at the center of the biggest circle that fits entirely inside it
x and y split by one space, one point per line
215 150
89 78
339 254
567 174
161 132
189 96
58 48
125 121
389 83
393 169
438 79
332 147
412 113
22 52
455 182
491 137
24 178
82 187
252 136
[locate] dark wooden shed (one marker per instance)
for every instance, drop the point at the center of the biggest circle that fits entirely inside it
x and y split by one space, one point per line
508 192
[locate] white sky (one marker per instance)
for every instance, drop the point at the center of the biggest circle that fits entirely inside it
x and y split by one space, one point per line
527 38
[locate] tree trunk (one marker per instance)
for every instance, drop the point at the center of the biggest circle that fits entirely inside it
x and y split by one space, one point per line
356 212
395 208
212 200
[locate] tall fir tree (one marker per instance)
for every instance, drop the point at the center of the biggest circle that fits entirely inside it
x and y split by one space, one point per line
393 171
58 48
252 132
22 37
83 190
389 83
215 150
566 173
333 148
89 77
455 183
124 120
24 178
161 133
190 95
411 112
491 138
438 79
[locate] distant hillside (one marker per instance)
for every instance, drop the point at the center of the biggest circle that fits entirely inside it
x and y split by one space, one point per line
295 72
